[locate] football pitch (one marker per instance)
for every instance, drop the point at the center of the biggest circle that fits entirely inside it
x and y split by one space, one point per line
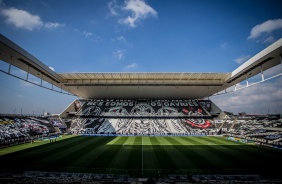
147 155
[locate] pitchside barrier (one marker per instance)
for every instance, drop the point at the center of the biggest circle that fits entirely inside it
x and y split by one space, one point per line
153 135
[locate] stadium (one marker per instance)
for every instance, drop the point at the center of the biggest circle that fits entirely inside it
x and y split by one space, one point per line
125 127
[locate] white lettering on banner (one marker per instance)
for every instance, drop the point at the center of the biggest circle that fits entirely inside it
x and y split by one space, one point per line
131 103
154 103
195 103
118 104
166 104
190 103
183 104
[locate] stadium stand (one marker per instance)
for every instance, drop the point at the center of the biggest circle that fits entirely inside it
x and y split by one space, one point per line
18 129
135 116
266 132
142 117
102 178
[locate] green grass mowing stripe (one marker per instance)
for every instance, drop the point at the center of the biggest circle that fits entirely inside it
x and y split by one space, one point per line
120 159
189 151
150 159
242 160
227 150
28 156
103 153
237 156
232 158
122 140
108 152
86 155
210 159
255 151
28 145
179 154
181 141
97 149
249 149
220 141
163 155
50 148
62 157
262 156
192 140
134 161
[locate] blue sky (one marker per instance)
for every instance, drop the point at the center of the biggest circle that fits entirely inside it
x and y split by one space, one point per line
141 36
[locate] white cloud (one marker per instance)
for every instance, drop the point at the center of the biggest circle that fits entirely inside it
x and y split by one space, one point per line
22 19
269 39
242 59
94 22
113 7
1 2
139 10
119 53
121 38
25 83
44 4
51 68
25 20
91 36
53 25
273 71
266 27
224 45
258 98
131 66
87 34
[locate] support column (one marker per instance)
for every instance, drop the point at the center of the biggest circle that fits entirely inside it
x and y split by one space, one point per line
247 80
9 70
261 71
41 79
27 73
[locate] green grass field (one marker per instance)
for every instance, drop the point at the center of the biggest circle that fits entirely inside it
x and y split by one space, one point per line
179 155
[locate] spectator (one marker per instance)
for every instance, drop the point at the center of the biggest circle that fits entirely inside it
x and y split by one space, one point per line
150 180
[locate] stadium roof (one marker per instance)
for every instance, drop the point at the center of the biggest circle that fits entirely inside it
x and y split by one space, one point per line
140 85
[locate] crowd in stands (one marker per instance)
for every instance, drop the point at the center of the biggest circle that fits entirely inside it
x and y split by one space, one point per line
102 178
267 132
141 126
21 129
57 122
142 117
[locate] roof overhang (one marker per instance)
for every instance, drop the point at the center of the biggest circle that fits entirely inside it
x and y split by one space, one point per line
18 57
144 85
267 58
140 85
